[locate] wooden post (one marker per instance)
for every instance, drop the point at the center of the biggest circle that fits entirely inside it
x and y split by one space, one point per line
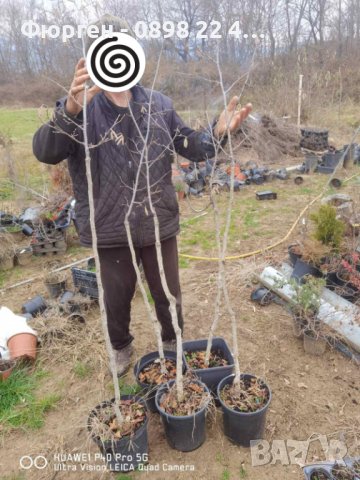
299 100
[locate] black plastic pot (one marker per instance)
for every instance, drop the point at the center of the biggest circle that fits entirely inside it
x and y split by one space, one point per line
242 427
310 472
326 469
27 230
301 269
311 163
183 433
76 318
324 169
340 279
128 453
6 219
350 155
66 302
55 289
211 376
293 257
34 306
262 296
336 183
149 391
332 159
347 292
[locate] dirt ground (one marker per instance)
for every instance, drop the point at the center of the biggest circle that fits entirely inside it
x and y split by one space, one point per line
311 395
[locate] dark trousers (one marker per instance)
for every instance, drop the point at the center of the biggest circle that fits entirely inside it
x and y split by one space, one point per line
119 281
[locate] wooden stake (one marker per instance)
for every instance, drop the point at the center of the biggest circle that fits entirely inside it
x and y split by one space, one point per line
300 100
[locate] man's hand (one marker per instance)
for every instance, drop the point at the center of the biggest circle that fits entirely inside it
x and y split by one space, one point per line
231 118
75 99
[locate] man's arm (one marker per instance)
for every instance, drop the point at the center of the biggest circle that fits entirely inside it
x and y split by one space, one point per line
201 145
195 145
53 141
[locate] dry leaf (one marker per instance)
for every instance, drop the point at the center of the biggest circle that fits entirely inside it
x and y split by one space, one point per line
302 385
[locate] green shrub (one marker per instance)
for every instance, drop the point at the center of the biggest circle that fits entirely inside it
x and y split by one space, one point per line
329 230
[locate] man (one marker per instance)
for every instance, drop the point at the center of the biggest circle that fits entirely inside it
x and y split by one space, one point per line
116 146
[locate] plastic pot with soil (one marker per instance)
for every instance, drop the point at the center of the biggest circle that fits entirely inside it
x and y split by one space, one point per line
23 256
221 361
320 471
124 447
6 368
343 472
349 470
184 421
299 325
294 253
55 284
244 408
149 377
303 269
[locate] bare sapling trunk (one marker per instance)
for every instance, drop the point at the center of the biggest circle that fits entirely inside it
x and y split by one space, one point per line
222 247
171 299
103 316
150 312
220 269
149 309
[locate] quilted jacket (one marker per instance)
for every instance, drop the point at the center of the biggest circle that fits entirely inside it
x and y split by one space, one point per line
156 135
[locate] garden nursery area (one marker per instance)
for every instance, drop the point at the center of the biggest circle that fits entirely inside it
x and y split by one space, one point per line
262 382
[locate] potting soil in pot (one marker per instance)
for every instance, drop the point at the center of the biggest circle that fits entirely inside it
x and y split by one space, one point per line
341 472
105 425
196 360
319 476
152 374
250 397
195 397
123 446
356 467
6 367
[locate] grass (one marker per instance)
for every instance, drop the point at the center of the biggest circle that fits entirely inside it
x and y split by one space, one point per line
149 296
82 370
19 123
184 262
243 472
20 407
225 474
2 278
129 389
7 190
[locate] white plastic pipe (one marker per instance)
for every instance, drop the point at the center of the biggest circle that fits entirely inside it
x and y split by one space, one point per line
339 314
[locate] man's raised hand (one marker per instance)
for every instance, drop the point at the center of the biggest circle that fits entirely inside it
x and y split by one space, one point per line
75 99
231 118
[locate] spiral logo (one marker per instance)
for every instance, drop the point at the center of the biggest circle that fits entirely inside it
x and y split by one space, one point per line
115 62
